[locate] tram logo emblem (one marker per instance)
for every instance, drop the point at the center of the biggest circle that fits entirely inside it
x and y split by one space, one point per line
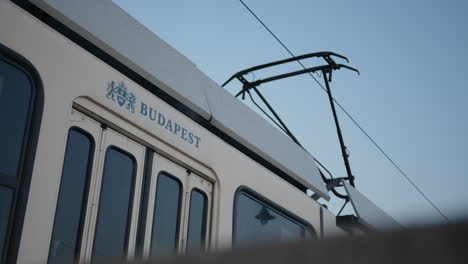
123 97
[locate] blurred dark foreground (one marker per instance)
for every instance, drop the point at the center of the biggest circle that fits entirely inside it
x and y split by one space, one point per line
443 244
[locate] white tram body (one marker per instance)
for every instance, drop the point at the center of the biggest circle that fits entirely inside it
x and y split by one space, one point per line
100 73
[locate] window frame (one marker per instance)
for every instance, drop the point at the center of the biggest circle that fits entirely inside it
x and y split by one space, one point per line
27 156
143 224
250 193
131 199
85 198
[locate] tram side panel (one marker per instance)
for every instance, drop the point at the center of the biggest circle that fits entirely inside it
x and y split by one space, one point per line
69 72
328 224
50 54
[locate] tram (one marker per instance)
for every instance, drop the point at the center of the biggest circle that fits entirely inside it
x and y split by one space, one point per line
114 144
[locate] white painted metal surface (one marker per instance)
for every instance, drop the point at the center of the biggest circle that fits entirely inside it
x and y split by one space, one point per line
368 213
110 28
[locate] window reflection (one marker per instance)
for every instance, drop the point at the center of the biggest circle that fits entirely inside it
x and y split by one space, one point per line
264 216
257 221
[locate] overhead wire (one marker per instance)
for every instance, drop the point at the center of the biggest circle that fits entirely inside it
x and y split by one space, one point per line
350 117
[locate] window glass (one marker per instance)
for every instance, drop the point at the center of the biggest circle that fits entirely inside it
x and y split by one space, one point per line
6 196
15 96
257 221
165 235
114 205
72 197
197 220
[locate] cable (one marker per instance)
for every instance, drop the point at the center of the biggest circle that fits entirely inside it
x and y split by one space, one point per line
350 117
282 129
339 195
271 118
323 167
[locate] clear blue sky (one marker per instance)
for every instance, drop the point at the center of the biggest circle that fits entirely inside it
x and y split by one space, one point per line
410 96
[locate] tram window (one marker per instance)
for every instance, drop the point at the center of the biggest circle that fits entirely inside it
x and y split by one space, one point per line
256 220
166 219
72 197
197 220
114 204
6 196
17 94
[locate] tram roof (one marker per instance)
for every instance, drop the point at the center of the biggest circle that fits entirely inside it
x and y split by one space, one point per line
111 29
369 214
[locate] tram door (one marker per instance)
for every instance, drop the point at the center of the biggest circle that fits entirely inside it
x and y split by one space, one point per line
100 200
98 203
179 210
113 204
